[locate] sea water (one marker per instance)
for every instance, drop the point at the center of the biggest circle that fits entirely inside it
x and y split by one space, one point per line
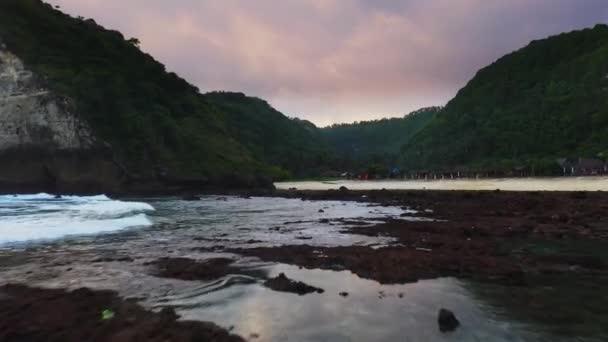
44 217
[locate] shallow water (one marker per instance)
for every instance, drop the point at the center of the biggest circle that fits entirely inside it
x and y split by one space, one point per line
507 184
370 312
119 260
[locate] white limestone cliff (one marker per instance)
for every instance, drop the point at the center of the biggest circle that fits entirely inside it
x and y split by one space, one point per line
32 116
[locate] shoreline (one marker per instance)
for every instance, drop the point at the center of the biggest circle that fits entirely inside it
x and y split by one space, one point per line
473 234
563 183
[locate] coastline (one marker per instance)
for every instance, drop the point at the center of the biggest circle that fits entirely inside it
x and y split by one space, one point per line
583 183
510 239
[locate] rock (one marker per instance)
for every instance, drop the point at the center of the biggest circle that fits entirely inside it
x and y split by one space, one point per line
284 284
58 197
324 221
190 197
343 188
321 210
343 294
447 321
189 269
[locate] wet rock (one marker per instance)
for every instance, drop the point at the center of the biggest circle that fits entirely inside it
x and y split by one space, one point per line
321 210
30 314
447 321
189 269
191 197
343 294
579 195
284 284
343 188
113 259
562 217
324 221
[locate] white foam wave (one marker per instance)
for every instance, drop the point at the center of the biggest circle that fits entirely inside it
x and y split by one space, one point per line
44 217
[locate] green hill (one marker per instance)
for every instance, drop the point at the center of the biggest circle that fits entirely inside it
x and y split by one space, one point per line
547 100
290 143
366 143
152 118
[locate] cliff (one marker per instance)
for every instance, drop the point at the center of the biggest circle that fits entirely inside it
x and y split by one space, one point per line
44 144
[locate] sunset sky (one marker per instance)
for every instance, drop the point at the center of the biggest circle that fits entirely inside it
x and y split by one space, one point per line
334 61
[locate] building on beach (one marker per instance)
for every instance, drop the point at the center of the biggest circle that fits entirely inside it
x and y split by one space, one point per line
582 166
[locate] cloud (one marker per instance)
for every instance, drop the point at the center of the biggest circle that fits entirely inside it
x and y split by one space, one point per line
337 60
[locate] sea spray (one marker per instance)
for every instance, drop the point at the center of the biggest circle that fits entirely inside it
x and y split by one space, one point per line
44 217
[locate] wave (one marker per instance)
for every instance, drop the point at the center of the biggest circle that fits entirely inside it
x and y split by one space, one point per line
44 217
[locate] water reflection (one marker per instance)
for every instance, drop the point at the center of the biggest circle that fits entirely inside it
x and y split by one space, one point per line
370 312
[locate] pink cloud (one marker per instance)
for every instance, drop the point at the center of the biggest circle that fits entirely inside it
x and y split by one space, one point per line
336 60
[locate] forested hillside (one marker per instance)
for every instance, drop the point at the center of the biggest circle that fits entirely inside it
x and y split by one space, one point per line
547 100
294 145
152 118
366 143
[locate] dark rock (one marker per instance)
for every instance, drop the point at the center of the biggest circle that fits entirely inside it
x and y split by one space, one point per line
284 284
447 321
343 294
321 210
189 269
191 197
58 197
30 314
343 188
324 221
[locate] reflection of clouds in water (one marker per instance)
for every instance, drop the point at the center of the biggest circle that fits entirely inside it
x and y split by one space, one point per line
253 320
371 311
508 184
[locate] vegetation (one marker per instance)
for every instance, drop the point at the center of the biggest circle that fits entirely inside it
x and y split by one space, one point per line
292 144
150 116
367 143
547 100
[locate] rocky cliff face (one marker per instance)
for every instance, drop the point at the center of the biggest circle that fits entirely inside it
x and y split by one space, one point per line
32 116
44 145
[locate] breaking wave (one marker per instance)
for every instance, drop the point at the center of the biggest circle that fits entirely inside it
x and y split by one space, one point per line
44 217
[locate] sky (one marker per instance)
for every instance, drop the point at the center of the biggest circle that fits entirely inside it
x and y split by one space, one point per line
333 61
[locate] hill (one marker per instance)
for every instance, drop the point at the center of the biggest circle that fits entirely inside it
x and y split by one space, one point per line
151 124
292 144
363 144
545 101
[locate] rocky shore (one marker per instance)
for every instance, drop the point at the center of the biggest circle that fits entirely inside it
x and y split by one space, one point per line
499 238
30 314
